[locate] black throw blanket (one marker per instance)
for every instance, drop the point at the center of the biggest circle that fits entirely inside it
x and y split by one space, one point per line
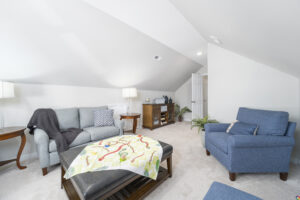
46 120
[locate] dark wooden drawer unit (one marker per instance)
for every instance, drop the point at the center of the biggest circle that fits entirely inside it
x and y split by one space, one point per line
157 115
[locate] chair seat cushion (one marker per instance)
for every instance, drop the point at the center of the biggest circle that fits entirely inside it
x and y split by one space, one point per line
82 138
100 133
219 140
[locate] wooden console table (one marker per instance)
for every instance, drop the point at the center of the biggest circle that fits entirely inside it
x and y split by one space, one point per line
11 132
158 115
133 116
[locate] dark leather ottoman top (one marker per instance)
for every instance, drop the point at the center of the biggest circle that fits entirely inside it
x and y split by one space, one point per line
93 185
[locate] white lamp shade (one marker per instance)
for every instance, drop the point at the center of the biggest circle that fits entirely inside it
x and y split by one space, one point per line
129 92
6 90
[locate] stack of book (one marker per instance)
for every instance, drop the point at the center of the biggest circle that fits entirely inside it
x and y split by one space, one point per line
163 118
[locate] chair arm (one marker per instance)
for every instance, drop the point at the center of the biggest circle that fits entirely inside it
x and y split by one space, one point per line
120 125
260 141
41 140
291 129
216 127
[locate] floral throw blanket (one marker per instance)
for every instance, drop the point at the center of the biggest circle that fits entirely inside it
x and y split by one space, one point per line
135 153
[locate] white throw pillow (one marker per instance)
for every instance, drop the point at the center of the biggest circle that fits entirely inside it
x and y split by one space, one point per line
230 126
255 132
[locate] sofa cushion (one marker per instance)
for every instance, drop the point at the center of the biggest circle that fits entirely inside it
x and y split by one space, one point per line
103 117
67 118
100 133
87 116
219 140
242 128
82 138
269 122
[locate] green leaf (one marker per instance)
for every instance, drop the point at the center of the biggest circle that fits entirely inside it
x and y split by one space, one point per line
200 122
183 111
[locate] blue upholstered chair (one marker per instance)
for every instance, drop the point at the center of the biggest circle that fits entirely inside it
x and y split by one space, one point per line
268 151
220 191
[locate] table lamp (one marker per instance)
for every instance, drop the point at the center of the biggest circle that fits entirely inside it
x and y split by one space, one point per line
129 93
6 91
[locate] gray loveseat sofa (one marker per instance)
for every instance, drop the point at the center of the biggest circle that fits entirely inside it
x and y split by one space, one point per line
73 118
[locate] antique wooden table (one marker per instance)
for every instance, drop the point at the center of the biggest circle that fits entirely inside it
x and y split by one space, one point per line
11 132
133 116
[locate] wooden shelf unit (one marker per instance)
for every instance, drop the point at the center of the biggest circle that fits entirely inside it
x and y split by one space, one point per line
157 115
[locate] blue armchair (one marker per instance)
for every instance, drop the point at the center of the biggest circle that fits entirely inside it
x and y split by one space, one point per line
268 151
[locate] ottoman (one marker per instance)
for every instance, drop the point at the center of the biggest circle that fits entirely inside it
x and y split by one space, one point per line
111 184
220 191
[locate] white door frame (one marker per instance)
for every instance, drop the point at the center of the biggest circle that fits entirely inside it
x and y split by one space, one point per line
197 97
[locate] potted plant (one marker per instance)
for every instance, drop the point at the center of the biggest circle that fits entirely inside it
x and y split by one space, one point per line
200 122
179 113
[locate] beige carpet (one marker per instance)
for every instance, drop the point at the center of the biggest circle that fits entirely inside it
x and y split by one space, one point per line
193 173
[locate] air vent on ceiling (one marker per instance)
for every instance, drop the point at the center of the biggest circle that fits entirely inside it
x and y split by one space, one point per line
157 58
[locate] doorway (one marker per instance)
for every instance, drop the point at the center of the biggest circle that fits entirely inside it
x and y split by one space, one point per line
199 95
205 95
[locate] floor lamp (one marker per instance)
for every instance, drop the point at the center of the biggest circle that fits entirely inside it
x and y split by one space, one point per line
129 93
6 91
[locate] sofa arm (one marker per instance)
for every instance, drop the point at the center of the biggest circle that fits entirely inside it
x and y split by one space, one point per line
120 125
260 141
41 140
216 127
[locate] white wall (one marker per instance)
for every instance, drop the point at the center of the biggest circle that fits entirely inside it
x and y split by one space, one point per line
17 111
183 95
203 70
236 81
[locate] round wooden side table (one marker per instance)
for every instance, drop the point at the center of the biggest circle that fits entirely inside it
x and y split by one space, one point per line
11 132
133 116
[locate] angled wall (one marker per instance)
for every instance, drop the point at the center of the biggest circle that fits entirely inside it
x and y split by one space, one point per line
236 81
50 43
17 111
183 97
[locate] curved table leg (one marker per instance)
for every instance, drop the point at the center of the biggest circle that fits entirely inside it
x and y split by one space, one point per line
134 125
23 141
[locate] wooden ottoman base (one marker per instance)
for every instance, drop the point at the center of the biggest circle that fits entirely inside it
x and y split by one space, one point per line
136 188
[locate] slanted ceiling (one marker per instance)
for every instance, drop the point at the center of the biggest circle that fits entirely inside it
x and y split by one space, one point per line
111 43
161 20
71 42
267 31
